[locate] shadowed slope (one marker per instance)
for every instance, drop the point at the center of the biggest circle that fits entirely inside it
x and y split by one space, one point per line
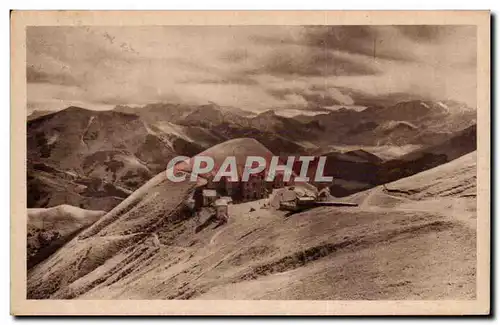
49 229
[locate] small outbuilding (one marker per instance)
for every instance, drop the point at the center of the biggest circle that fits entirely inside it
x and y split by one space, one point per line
209 197
228 199
324 194
221 209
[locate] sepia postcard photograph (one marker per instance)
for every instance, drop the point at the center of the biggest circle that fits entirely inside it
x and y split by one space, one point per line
250 163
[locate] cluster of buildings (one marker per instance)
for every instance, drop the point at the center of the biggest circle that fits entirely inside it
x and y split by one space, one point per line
255 188
225 191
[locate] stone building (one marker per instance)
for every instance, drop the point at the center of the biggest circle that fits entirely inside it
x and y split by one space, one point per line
209 196
221 210
241 191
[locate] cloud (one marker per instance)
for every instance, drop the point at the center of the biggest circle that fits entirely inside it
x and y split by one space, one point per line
382 42
315 97
59 78
251 67
235 56
307 61
372 41
435 33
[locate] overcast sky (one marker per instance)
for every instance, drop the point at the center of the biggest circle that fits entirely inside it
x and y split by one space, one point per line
250 67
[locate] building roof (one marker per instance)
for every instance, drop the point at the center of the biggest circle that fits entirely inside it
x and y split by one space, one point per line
209 193
221 202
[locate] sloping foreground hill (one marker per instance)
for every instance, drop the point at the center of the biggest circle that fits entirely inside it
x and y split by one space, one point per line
453 182
49 229
393 246
113 244
412 239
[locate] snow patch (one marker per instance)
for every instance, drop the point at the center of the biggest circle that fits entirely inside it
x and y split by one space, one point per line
446 108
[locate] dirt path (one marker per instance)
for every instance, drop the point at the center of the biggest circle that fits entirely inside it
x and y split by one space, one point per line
451 214
368 198
456 213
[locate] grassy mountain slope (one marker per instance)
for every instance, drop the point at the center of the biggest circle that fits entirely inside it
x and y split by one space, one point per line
147 247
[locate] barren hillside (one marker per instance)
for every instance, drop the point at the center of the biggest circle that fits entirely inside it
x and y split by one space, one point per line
94 159
147 248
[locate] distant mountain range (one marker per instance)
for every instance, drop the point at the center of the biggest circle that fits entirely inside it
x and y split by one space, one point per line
38 113
94 159
411 122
